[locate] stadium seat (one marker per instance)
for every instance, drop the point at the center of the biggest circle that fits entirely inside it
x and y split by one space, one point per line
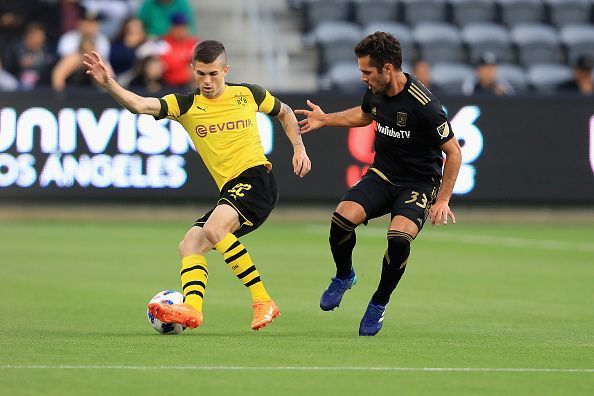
421 11
336 42
563 12
487 37
536 43
439 42
472 11
545 78
400 31
513 75
317 12
344 77
448 77
515 12
578 40
367 11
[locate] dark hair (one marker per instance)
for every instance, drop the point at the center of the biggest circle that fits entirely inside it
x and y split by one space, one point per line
584 62
382 48
124 28
31 26
208 51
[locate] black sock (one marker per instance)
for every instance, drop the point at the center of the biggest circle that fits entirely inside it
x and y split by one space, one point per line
393 265
342 242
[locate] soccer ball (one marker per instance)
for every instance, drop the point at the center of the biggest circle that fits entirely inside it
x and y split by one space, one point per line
166 297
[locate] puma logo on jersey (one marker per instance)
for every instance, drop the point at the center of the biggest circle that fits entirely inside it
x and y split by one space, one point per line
202 108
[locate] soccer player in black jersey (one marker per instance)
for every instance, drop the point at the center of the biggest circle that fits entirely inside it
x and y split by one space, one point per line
405 179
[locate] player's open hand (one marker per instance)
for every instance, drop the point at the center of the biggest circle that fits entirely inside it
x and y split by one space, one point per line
439 213
301 162
96 68
313 118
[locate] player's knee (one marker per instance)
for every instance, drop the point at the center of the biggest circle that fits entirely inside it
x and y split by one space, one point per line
214 234
398 248
181 247
351 211
194 242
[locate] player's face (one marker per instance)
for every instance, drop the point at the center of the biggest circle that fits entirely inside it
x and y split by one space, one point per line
376 80
210 77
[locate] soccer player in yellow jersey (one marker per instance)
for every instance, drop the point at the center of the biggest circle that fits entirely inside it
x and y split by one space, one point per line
221 121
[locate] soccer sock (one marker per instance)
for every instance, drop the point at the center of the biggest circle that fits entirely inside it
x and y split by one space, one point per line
393 265
240 262
342 242
194 275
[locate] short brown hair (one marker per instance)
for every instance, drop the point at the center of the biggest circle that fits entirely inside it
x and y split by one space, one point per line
208 51
382 48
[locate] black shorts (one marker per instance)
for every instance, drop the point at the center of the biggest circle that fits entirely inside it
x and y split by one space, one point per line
379 197
253 194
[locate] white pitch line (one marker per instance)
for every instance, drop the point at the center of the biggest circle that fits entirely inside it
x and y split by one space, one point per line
545 244
301 368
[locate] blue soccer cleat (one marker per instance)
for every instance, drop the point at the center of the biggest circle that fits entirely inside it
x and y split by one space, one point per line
333 294
372 320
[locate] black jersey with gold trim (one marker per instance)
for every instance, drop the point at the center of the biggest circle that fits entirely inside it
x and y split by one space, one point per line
410 128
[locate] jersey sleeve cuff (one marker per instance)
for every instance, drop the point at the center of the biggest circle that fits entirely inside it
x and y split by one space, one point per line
164 110
446 139
276 109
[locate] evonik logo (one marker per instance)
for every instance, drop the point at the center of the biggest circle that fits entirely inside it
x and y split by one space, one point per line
203 130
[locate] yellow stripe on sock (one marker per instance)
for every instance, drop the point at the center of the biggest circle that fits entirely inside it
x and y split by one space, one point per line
241 264
194 277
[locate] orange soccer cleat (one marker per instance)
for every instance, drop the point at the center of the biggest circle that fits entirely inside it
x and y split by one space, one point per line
264 313
184 314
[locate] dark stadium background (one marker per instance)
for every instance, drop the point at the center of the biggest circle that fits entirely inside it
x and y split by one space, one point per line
537 150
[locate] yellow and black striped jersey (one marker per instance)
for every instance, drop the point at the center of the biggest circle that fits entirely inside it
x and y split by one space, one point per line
224 130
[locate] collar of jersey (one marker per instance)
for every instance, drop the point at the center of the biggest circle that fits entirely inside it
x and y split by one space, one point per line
405 89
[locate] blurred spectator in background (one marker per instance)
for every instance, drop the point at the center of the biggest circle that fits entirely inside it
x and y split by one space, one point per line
14 16
582 77
115 12
156 15
123 50
28 58
70 70
150 76
421 69
59 17
7 81
485 81
87 29
178 54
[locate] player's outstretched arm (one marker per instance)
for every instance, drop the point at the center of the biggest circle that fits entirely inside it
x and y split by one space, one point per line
301 162
316 118
440 211
98 70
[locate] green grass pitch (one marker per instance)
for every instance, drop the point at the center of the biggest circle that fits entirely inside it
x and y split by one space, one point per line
482 297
